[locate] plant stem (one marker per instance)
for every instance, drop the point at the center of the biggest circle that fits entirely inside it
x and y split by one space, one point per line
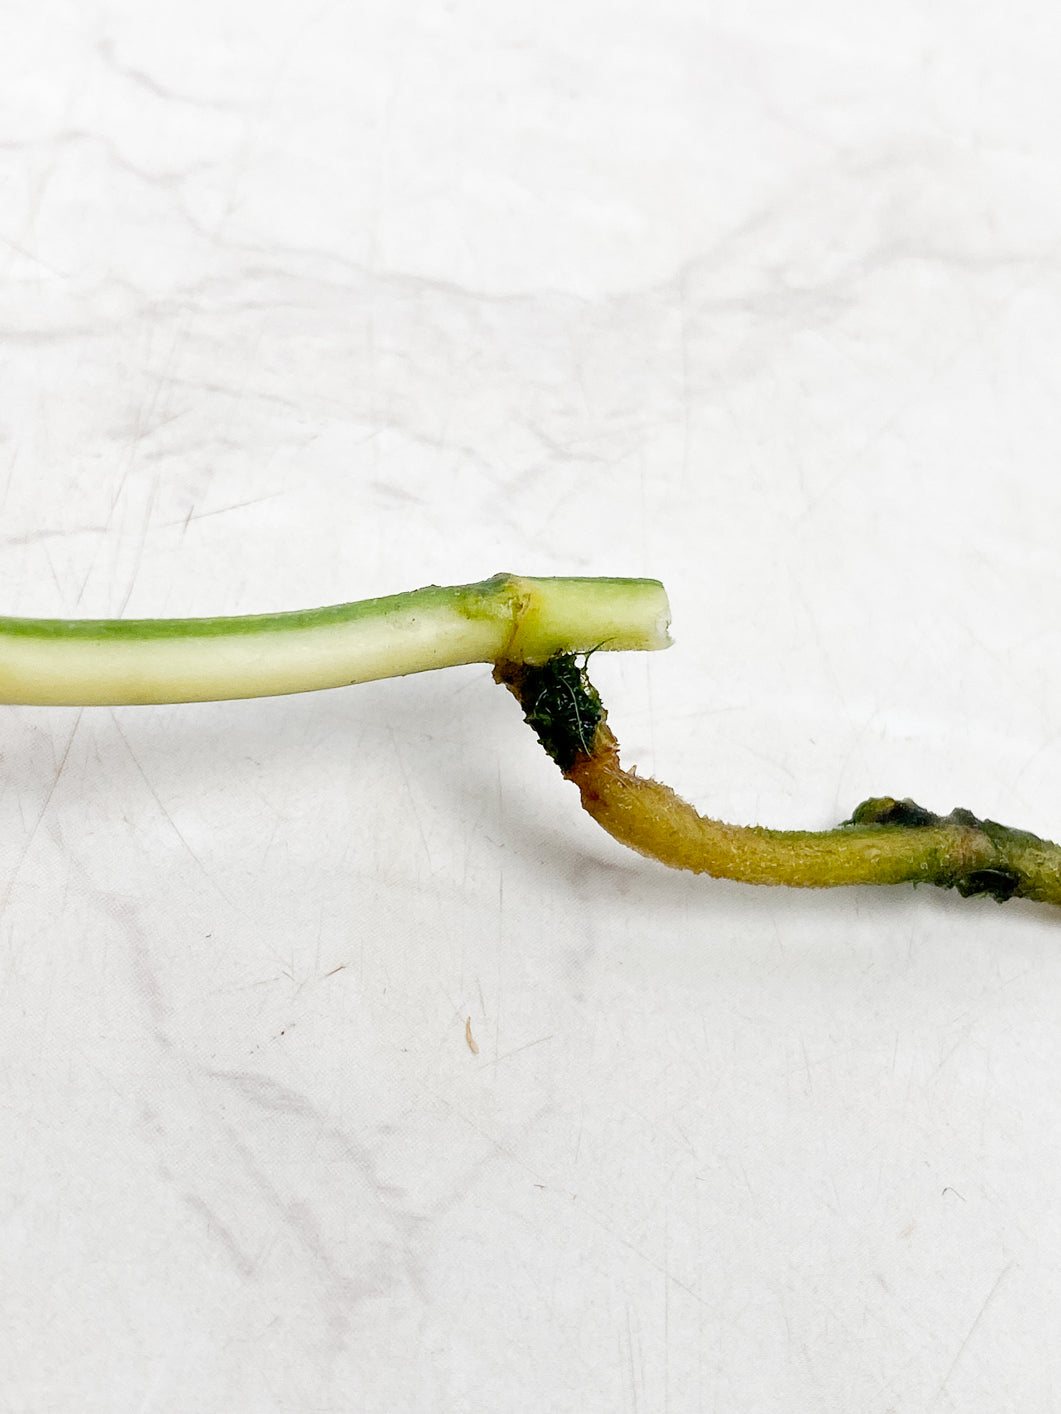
886 841
95 662
530 629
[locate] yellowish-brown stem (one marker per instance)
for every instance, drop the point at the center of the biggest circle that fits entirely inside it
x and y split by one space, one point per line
886 842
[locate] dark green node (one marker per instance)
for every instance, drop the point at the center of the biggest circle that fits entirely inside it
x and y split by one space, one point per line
560 704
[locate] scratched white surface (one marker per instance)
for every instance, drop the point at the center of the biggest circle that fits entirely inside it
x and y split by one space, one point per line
300 305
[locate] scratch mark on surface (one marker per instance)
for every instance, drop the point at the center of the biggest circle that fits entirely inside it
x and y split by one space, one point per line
168 817
500 954
36 537
193 514
591 1211
973 1328
414 803
41 813
525 1047
472 1044
685 374
145 520
630 1357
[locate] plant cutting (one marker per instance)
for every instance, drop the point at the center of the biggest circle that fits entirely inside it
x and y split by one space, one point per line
534 632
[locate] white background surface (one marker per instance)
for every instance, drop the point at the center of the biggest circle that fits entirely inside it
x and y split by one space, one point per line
303 305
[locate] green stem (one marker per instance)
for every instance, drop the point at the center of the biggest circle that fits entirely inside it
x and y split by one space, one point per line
95 662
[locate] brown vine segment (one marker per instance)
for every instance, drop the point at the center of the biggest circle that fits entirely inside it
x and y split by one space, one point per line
887 841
